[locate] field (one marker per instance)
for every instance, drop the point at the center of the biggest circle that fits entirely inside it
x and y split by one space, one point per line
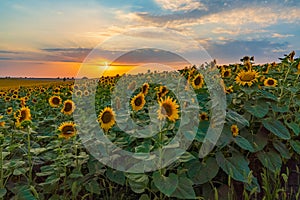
94 138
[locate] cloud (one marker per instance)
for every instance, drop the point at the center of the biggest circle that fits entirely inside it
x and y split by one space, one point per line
181 5
278 35
253 16
232 50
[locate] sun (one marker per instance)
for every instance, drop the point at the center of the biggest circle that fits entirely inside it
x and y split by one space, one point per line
168 108
107 118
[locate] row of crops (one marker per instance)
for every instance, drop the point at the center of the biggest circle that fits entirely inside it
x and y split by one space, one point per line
53 136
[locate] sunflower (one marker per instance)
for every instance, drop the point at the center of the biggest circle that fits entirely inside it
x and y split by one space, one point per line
107 118
55 101
298 68
7 98
270 82
234 130
2 124
22 115
138 102
69 107
163 90
145 88
86 93
246 77
9 110
56 90
168 108
226 73
229 89
67 130
203 116
78 93
198 81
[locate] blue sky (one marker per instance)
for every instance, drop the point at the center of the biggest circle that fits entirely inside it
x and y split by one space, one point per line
39 37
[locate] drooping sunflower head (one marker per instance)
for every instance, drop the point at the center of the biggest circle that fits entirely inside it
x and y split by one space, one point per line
198 81
234 130
226 73
203 116
9 110
67 130
163 90
21 115
229 90
138 102
247 77
270 82
55 101
145 88
106 118
168 108
69 107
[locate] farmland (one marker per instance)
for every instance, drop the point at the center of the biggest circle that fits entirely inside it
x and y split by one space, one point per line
48 130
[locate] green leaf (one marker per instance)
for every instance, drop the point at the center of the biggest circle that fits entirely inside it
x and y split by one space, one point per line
281 109
259 110
243 143
294 127
144 197
267 95
235 166
186 156
184 189
203 172
295 145
115 176
93 187
234 117
270 160
282 149
166 185
51 180
277 128
76 173
19 171
2 192
138 182
258 141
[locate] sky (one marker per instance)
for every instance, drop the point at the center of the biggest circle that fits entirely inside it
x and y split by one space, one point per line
52 38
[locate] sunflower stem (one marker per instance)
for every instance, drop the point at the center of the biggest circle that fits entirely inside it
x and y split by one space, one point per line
29 155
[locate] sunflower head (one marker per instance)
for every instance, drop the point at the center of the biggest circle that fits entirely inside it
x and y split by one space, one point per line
229 90
22 115
67 130
203 116
9 110
145 88
55 101
198 81
138 102
226 73
168 108
247 77
68 108
234 130
107 118
270 82
163 90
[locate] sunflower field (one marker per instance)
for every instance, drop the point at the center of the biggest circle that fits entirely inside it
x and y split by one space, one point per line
51 147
